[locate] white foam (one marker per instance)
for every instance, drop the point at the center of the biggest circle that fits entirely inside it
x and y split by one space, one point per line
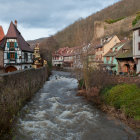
35 126
68 93
66 114
85 114
43 95
40 114
54 106
53 99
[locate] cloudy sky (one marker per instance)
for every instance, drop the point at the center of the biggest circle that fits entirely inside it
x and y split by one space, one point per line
42 18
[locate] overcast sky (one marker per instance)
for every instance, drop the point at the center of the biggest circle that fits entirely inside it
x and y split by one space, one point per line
42 18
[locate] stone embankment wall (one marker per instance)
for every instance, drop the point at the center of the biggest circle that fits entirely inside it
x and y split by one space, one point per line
15 89
1 58
123 79
129 80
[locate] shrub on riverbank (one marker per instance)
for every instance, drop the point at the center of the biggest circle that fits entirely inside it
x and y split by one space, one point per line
125 97
97 78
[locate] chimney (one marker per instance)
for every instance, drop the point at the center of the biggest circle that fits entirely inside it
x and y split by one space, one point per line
16 23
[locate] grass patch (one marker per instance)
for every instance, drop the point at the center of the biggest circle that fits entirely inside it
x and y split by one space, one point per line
135 21
81 84
125 97
110 21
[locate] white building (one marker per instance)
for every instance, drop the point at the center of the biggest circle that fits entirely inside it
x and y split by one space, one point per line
58 57
136 45
17 52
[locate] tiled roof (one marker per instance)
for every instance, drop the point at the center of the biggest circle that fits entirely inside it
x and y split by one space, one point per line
67 51
128 53
1 33
114 53
2 43
15 34
60 52
106 41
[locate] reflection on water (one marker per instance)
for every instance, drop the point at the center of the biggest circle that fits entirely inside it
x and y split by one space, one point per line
55 113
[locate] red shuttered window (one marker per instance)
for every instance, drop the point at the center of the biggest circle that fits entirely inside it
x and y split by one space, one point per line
12 56
12 46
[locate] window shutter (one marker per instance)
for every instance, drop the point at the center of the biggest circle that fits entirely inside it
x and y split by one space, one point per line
8 44
8 55
15 44
15 55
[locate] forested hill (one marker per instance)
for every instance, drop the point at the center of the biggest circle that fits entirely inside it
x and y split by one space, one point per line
82 30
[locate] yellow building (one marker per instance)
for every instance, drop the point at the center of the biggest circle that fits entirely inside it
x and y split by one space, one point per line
45 63
104 47
37 58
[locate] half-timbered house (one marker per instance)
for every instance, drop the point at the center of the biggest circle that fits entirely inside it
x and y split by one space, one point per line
17 52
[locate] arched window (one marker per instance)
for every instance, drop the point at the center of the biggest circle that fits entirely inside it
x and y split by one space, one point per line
25 67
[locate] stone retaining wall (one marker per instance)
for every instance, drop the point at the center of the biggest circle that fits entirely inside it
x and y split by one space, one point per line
15 89
121 28
131 80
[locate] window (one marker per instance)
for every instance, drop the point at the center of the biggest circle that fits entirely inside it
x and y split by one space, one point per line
25 67
12 56
139 32
125 50
31 56
12 46
26 56
101 56
112 59
139 46
108 58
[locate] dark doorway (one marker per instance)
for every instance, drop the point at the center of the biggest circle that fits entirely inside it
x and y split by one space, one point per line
10 69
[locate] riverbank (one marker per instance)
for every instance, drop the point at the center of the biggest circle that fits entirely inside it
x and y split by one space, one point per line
119 101
56 113
16 89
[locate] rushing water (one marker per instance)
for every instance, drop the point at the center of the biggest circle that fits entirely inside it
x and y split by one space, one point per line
56 113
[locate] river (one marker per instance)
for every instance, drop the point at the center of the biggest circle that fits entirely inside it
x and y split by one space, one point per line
56 113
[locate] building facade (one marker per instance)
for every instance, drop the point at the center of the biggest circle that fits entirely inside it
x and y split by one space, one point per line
17 52
126 63
69 58
104 47
58 57
136 46
37 60
110 61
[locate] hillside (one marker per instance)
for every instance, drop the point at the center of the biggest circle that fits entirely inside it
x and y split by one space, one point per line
47 47
82 31
34 42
